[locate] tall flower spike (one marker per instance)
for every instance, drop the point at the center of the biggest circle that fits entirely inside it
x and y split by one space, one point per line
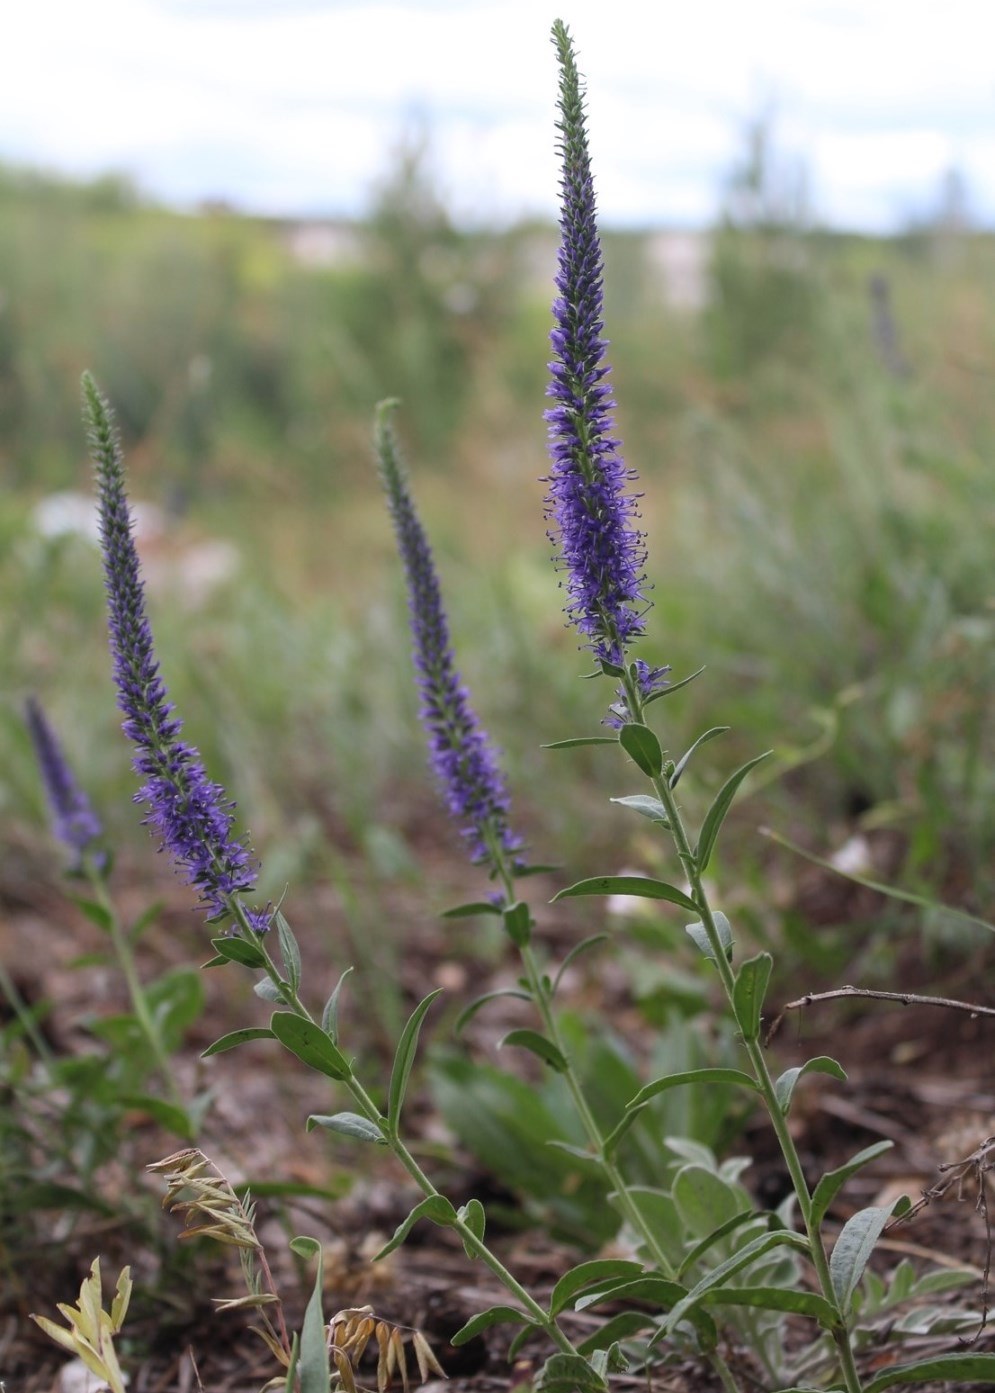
192 815
461 754
74 822
600 549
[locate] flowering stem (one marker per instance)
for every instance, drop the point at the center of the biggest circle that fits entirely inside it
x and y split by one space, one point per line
755 1053
372 1113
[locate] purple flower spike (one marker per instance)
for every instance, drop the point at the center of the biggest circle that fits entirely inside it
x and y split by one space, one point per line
74 823
600 550
461 754
192 815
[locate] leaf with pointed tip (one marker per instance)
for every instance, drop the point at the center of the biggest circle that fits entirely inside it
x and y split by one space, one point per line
671 688
682 763
833 1181
470 1011
661 1291
642 747
584 946
538 1045
434 1207
710 1075
646 806
569 1373
404 1057
238 1037
472 1214
748 994
290 953
640 886
310 1044
330 1015
717 812
267 990
784 1086
598 1271
581 740
802 1303
852 1249
348 1124
943 1368
518 923
239 950
494 1315
471 909
715 1279
699 936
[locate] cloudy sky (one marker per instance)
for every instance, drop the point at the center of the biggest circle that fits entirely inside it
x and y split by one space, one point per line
293 106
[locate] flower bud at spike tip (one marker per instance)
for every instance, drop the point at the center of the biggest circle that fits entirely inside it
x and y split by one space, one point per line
463 758
598 546
192 815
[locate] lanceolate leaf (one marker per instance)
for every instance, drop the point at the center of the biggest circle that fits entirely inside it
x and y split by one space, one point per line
784 1087
756 1248
310 1044
711 1075
404 1058
239 950
518 923
638 885
833 1181
313 1365
642 747
434 1207
684 760
470 1011
748 994
348 1124
853 1249
581 740
802 1303
289 951
944 1368
699 936
569 1373
330 1015
584 946
646 806
467 911
597 1272
238 1037
539 1045
472 1214
717 812
494 1315
672 687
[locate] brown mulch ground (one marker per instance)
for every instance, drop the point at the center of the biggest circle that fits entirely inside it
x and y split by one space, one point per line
919 1077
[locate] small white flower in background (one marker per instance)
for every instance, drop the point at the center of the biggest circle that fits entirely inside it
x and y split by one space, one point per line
853 857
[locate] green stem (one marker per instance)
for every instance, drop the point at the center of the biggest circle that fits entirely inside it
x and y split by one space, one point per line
789 1151
370 1111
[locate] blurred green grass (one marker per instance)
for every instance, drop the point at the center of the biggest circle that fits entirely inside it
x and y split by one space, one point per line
819 519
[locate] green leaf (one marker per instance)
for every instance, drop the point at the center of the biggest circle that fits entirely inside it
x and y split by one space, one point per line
672 687
619 1327
471 910
956 1368
581 740
784 1086
645 806
145 920
168 1115
641 886
802 1303
588 1274
710 1075
748 994
290 953
472 1214
238 1037
267 990
310 1044
717 812
833 1181
348 1124
853 1248
330 1015
313 1363
518 923
494 1315
538 1045
698 935
610 669
434 1207
96 913
304 1246
700 1249
749 1253
661 1291
682 763
404 1057
239 950
642 747
470 1011
569 1373
584 946
704 1200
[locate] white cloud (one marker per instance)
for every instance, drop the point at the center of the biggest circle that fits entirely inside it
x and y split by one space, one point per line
287 105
